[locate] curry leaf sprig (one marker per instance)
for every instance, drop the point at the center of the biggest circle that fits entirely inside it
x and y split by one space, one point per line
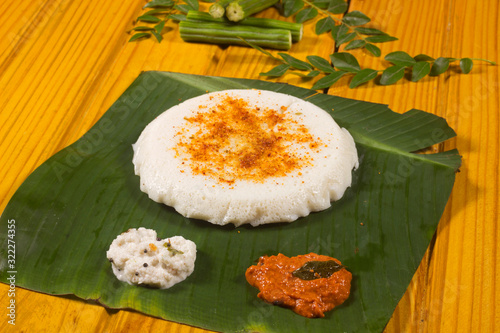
343 64
349 29
159 12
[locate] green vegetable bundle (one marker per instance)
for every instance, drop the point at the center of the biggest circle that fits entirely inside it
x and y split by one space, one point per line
270 33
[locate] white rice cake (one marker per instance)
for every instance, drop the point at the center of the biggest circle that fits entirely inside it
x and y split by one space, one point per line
138 257
245 156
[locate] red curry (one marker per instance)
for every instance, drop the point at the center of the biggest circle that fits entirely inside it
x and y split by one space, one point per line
309 298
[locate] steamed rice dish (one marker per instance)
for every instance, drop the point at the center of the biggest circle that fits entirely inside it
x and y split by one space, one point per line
245 156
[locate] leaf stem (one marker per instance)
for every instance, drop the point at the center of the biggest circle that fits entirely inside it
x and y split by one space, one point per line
258 48
159 14
485 60
327 13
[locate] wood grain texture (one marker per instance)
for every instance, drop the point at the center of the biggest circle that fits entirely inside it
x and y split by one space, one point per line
63 63
455 288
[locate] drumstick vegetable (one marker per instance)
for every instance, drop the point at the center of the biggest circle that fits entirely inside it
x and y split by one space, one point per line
296 29
218 9
239 9
221 33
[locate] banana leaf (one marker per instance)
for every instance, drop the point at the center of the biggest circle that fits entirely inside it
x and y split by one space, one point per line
69 210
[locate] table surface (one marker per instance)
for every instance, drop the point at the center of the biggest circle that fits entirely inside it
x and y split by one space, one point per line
63 63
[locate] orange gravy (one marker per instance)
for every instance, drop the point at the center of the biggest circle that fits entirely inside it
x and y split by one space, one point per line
309 298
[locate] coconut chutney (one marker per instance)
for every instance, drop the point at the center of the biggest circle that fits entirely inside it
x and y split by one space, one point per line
139 257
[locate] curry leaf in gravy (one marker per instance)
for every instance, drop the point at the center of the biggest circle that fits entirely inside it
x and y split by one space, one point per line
312 270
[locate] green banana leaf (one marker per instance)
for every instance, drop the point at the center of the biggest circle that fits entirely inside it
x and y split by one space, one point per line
69 210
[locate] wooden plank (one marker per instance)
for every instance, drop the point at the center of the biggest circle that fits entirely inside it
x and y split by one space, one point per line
21 21
67 62
45 85
417 34
463 293
447 292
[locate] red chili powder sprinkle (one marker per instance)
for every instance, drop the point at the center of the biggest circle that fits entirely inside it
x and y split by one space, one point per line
233 141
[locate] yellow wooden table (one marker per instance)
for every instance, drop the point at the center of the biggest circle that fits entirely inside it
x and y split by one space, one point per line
63 63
